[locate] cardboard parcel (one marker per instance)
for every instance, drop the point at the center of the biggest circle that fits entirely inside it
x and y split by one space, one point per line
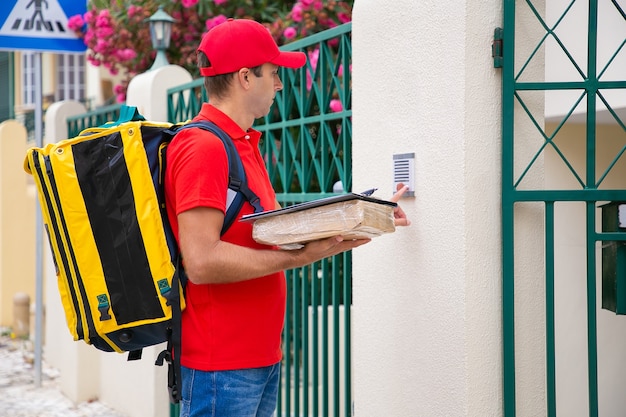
352 216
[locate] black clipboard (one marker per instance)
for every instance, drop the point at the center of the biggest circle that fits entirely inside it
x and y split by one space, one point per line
315 203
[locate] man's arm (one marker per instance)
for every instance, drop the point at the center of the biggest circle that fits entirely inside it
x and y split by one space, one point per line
209 260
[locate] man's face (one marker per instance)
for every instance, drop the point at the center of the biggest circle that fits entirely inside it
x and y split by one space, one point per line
264 89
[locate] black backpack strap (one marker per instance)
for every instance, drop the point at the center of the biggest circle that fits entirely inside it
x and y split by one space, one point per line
236 175
171 354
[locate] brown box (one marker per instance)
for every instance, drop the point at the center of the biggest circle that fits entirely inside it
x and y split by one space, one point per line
352 216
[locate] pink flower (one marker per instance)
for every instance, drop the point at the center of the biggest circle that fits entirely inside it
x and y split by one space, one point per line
101 46
296 12
75 22
219 19
126 54
89 36
318 5
103 19
335 105
133 10
121 98
214 21
314 57
219 2
343 17
290 33
94 61
105 32
307 3
189 3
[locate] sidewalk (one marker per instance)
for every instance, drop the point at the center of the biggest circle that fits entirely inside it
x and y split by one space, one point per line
20 398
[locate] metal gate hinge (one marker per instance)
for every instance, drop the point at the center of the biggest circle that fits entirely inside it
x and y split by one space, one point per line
496 48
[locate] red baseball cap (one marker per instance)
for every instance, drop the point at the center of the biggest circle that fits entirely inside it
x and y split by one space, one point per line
243 43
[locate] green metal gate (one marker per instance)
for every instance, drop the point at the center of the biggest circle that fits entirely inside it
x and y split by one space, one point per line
563 145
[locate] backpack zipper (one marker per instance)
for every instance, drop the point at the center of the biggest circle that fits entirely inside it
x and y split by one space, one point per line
52 206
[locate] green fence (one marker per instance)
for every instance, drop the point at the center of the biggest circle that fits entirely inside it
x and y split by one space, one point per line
98 117
588 81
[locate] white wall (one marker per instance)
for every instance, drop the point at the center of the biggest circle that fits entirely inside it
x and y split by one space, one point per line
426 332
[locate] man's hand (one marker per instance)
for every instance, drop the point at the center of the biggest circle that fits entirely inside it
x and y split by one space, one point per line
399 215
319 249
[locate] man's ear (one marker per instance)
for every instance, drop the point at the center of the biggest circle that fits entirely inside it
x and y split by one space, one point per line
242 76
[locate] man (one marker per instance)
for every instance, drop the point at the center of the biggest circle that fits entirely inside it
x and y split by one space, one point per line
235 296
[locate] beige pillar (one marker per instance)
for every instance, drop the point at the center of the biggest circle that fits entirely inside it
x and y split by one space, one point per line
17 220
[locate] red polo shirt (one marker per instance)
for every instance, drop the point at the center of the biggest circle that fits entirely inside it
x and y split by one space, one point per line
224 326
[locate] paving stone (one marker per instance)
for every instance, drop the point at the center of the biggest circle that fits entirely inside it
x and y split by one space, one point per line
20 398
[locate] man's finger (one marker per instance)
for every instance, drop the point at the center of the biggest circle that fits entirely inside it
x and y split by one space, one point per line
401 189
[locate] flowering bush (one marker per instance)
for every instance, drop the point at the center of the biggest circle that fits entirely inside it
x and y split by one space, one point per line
117 34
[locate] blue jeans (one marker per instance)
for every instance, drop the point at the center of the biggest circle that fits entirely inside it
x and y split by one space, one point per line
240 393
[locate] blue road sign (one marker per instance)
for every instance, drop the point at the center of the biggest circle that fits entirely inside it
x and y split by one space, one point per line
40 25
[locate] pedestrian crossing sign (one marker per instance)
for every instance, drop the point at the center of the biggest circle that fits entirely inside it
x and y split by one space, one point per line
40 25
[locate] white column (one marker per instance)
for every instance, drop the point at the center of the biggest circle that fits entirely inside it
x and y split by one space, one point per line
148 91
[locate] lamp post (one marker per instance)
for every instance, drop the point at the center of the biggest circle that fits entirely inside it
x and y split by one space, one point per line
160 33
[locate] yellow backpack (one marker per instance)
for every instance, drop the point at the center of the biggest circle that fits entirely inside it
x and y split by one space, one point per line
103 209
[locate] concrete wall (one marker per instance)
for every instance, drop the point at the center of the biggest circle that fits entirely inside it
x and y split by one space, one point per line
427 299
